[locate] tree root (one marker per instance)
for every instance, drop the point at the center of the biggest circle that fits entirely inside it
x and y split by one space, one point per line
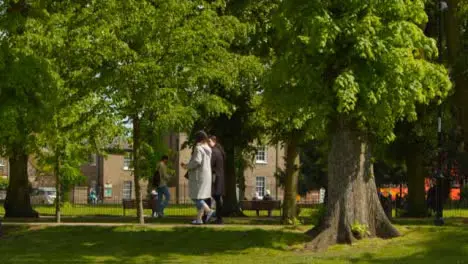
325 235
322 238
386 230
21 214
236 213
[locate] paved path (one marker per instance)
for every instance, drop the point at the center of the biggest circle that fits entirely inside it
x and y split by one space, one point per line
150 225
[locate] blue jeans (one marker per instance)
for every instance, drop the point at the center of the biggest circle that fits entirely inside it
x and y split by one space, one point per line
199 203
163 191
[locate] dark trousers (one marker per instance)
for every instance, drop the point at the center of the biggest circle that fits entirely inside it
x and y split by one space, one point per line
154 204
219 207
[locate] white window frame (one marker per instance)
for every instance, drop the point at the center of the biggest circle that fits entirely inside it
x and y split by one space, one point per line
124 190
92 160
2 167
259 181
261 157
127 161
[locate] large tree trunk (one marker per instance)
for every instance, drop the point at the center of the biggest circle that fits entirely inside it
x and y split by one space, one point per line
292 176
352 193
18 201
231 204
136 168
453 29
416 191
454 43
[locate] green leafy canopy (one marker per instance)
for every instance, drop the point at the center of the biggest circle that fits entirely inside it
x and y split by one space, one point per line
369 62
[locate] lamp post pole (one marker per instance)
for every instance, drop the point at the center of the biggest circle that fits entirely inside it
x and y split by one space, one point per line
439 219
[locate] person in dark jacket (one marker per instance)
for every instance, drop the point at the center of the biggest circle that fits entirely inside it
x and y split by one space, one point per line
217 168
431 199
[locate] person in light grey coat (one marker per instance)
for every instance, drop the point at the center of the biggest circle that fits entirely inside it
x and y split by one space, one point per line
199 169
199 176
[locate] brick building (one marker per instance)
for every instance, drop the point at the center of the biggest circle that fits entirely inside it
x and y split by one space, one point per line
112 176
4 169
36 177
259 178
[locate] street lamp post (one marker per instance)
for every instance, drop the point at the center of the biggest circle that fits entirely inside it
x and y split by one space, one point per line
439 219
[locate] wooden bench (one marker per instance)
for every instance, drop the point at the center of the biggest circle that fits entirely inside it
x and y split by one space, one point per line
260 205
131 204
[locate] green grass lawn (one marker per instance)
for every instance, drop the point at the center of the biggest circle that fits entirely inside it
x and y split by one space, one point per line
116 210
229 244
172 210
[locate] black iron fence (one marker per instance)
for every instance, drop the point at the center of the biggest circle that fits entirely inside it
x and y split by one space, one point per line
398 207
81 203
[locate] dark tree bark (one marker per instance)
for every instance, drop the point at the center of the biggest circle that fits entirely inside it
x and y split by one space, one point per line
136 168
292 176
454 36
453 30
416 192
231 204
18 200
352 193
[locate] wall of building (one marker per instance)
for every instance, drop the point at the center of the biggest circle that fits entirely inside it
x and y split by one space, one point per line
183 156
275 158
115 175
36 178
110 170
267 170
4 169
113 172
92 174
3 175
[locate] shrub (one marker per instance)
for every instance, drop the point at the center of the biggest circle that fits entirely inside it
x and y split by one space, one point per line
360 231
320 214
464 194
3 183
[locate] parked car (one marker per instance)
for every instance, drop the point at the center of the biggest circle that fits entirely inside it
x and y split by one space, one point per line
43 195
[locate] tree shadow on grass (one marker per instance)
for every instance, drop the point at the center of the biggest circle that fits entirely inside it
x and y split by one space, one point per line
453 221
110 244
440 245
180 220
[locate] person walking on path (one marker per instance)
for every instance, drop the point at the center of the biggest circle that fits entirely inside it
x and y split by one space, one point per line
154 201
218 158
200 177
163 189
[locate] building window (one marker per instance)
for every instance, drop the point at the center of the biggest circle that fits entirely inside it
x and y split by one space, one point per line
2 166
92 160
108 190
260 186
261 156
128 161
127 190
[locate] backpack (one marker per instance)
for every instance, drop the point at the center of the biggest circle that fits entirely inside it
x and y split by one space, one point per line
156 178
